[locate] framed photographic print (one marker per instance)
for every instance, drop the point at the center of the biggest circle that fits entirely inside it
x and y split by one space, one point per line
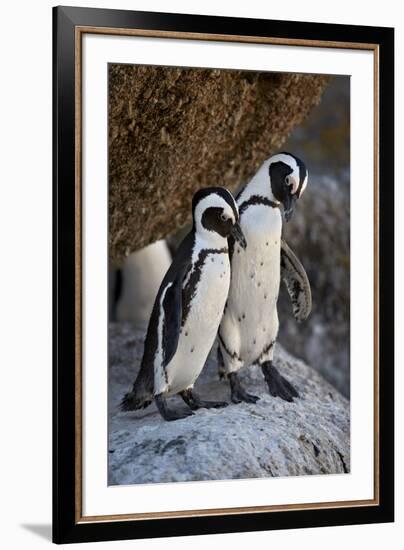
223 274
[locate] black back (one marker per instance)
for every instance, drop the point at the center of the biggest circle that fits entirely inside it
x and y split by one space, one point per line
143 387
172 306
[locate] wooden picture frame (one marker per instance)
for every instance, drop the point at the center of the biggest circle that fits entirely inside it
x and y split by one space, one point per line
69 26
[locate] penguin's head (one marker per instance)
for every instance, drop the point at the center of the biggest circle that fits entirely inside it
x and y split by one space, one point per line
288 179
215 213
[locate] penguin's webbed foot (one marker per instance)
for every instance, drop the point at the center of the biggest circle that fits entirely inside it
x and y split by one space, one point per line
131 402
170 414
238 393
194 402
212 404
127 403
278 385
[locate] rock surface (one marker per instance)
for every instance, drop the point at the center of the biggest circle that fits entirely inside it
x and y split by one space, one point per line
174 130
268 439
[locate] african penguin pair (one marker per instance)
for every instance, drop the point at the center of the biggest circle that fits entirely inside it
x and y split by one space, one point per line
213 282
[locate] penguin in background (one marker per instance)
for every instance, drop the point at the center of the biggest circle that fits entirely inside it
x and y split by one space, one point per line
188 308
249 327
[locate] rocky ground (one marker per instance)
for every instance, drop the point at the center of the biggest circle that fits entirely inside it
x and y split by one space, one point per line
269 439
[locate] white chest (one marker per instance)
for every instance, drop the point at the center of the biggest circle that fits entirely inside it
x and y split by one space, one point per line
256 270
250 321
199 331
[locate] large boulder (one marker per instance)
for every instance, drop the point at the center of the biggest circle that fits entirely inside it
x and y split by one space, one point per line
174 130
268 439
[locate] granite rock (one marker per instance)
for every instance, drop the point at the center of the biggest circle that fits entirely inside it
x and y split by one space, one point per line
271 438
175 130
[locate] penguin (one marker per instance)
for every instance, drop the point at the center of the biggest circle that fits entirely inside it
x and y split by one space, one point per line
249 327
188 309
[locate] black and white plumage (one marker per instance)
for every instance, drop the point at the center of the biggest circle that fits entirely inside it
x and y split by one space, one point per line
249 328
188 308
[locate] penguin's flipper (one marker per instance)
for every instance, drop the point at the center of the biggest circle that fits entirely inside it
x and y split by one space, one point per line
172 307
297 283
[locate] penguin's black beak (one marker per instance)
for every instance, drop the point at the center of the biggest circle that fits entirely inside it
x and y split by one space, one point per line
237 233
289 206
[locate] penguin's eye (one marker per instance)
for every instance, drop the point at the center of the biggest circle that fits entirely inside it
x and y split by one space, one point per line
287 180
223 217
